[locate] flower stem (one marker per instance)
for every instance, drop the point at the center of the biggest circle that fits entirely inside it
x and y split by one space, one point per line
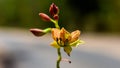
59 58
56 23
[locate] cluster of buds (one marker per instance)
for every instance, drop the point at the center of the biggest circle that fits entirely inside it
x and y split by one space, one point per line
54 11
62 38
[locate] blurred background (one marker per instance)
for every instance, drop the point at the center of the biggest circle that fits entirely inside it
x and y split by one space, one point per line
99 21
87 15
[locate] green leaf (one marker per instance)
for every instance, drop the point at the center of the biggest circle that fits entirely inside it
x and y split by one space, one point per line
76 43
68 50
55 45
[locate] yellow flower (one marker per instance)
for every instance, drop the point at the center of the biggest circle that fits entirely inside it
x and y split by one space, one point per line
62 38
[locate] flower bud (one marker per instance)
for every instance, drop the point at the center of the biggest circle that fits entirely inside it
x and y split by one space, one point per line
45 17
37 32
53 9
56 17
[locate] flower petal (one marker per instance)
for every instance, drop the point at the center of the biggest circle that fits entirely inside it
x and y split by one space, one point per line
76 43
55 45
65 35
75 35
55 33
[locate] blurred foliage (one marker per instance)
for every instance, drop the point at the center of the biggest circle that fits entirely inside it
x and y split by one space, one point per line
87 15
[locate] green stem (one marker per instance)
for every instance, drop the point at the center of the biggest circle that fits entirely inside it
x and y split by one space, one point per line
58 50
47 30
57 26
59 58
56 23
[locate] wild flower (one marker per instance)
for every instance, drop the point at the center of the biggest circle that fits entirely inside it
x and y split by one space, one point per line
62 38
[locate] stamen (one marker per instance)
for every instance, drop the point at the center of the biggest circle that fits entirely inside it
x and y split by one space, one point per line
66 40
57 39
60 39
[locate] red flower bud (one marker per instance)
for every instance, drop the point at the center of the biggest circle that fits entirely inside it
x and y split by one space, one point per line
37 32
53 9
44 17
56 17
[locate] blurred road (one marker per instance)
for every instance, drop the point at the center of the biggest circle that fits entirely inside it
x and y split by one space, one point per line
99 51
